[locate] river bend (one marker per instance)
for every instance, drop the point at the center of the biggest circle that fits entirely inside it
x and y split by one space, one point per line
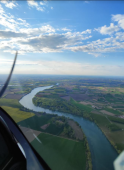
102 153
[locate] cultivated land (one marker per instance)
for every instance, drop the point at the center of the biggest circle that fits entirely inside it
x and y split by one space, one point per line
55 125
77 131
61 153
30 134
98 99
64 140
16 114
57 140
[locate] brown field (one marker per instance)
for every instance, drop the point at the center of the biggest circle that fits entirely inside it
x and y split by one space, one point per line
79 97
107 113
68 87
87 103
45 126
14 96
77 130
16 90
66 98
96 112
82 97
29 133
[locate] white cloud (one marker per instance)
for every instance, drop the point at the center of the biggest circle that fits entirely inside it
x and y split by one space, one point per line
120 36
9 4
37 31
105 45
42 3
51 7
46 43
88 31
45 39
120 19
11 34
66 29
35 4
9 22
108 30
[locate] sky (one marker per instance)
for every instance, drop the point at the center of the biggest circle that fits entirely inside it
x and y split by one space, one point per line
62 37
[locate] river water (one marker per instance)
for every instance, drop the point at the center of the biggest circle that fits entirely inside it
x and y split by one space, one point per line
102 153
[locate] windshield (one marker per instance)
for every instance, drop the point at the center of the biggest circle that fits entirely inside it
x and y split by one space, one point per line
67 90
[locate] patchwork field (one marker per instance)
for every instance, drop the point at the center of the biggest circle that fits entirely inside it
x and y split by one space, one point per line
16 114
66 98
106 112
114 131
60 153
10 102
37 122
97 99
81 106
14 96
77 130
30 134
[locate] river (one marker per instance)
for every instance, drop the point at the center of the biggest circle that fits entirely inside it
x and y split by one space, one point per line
102 153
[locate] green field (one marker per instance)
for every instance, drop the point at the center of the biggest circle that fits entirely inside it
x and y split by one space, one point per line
81 106
10 102
16 114
101 120
36 122
112 128
116 112
115 119
60 153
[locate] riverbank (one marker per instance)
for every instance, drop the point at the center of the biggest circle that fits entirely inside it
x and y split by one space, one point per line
51 100
102 157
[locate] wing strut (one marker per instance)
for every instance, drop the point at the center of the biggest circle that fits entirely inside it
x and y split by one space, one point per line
8 79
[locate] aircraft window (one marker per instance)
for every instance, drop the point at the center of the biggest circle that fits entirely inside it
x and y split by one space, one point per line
66 93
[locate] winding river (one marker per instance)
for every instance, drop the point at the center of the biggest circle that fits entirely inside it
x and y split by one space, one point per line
102 153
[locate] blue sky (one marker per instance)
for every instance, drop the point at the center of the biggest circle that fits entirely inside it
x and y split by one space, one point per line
58 37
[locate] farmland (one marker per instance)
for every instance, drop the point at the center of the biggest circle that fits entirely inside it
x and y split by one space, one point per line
61 153
10 102
98 99
16 114
52 124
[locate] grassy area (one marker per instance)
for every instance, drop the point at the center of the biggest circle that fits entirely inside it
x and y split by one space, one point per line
101 120
81 106
60 153
114 127
10 102
116 112
16 114
115 119
108 125
36 123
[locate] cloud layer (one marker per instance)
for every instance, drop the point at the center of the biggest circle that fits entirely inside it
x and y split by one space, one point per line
17 34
